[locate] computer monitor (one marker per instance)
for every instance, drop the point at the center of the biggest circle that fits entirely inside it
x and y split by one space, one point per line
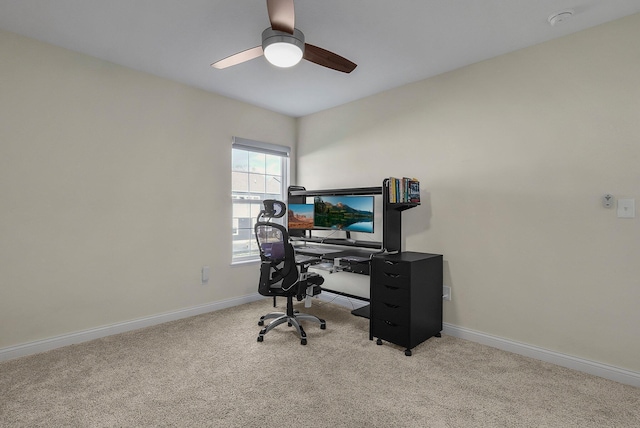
348 213
300 216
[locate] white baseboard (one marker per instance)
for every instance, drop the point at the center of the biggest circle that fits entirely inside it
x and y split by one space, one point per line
591 367
48 344
586 366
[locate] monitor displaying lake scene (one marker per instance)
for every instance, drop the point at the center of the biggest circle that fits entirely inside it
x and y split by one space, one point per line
349 213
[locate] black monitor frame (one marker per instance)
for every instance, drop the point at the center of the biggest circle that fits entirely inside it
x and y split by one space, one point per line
391 213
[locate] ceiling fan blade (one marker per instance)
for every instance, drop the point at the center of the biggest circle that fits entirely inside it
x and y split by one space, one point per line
238 58
281 15
327 59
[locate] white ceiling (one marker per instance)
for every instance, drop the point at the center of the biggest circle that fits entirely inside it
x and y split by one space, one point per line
393 42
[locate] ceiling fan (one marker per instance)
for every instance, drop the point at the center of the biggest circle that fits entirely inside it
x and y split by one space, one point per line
283 45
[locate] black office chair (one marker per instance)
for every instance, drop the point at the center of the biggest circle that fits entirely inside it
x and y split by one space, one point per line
279 272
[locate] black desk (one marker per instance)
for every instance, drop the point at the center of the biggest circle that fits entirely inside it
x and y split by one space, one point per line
354 260
405 291
351 259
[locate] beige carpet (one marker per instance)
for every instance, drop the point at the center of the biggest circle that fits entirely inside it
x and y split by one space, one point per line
209 371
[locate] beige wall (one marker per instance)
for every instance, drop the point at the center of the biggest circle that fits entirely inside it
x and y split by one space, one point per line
514 155
114 187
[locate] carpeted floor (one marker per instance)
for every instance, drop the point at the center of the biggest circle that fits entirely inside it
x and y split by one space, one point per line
209 371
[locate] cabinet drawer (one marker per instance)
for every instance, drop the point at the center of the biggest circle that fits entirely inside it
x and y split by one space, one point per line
391 279
390 294
397 314
391 266
390 331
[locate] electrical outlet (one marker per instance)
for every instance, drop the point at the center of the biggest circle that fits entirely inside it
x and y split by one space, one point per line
446 292
205 275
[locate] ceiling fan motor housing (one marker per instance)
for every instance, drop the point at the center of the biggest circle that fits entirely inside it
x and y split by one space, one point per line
283 49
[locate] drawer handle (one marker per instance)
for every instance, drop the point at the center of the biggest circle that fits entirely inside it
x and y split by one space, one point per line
389 262
389 305
391 324
391 287
392 275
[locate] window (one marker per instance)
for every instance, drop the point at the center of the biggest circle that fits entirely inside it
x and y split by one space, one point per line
259 171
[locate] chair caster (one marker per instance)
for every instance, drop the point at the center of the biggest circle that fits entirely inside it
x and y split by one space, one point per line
323 326
407 352
379 342
260 338
289 324
303 341
260 323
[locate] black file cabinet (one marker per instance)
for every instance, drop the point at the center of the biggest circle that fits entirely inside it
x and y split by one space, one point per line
406 298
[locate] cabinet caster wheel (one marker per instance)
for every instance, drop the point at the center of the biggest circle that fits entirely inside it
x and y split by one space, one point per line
303 341
438 334
260 338
260 323
379 342
407 352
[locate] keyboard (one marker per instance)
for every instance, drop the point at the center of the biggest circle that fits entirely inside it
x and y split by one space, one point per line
302 259
358 259
313 250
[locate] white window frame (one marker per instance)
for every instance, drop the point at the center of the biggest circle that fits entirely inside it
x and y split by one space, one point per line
243 242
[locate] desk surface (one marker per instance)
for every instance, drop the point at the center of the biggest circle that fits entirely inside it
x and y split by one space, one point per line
337 242
337 259
331 252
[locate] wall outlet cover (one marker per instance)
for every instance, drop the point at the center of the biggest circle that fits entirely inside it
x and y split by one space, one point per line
446 292
626 208
205 275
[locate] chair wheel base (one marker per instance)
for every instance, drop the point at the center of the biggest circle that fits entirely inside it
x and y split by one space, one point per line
291 320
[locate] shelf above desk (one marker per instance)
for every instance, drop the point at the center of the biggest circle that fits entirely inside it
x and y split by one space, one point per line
352 191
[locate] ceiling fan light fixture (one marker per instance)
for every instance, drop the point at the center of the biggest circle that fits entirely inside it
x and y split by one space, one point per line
283 49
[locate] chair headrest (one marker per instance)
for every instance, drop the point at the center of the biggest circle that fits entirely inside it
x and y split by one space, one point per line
273 208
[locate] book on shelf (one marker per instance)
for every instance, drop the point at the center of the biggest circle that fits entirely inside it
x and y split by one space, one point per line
413 192
404 190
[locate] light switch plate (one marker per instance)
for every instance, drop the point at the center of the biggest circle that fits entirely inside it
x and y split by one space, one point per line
205 275
626 208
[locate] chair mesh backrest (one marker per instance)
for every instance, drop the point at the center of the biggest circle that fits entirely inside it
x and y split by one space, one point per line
278 257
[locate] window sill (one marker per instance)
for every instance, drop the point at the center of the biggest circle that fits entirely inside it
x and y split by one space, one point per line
238 263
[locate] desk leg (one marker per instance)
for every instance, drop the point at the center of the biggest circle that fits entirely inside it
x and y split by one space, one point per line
364 312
